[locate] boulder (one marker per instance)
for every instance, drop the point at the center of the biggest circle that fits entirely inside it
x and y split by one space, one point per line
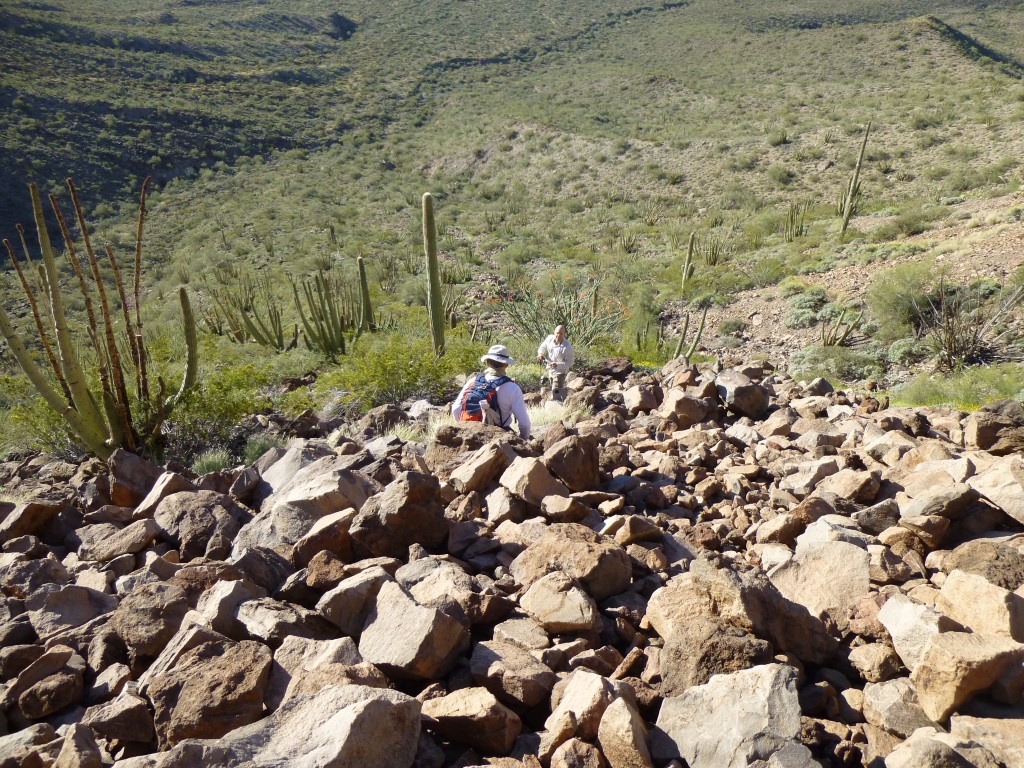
302 666
511 673
733 720
980 605
955 665
530 480
582 699
474 717
574 460
148 618
348 605
482 467
200 523
52 609
997 428
1002 483
741 395
799 579
317 489
339 725
557 603
998 563
408 511
410 641
213 689
128 540
623 737
126 718
704 647
601 566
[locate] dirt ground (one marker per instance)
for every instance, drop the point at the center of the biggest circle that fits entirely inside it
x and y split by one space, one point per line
979 238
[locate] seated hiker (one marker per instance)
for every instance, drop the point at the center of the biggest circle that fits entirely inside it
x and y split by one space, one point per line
492 397
557 354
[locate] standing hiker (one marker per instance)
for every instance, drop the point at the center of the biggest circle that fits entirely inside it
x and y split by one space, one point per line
492 397
557 354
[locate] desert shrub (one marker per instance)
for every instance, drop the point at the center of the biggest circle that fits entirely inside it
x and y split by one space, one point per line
835 363
791 286
908 351
895 297
780 174
27 424
968 389
731 325
805 308
212 460
258 444
393 367
208 415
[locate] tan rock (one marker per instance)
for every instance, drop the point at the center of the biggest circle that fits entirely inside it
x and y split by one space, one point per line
601 566
982 606
481 467
528 479
472 716
956 665
556 603
623 737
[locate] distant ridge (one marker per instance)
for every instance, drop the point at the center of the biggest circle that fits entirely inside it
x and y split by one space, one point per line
975 50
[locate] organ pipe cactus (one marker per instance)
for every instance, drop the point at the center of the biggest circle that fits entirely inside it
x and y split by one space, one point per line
365 308
325 316
696 339
688 264
852 195
102 417
434 297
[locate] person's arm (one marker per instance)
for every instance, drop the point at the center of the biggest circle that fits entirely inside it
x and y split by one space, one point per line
542 350
510 401
570 355
457 405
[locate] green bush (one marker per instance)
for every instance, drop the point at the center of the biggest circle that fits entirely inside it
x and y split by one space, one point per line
259 444
969 389
393 367
212 460
908 351
835 363
896 298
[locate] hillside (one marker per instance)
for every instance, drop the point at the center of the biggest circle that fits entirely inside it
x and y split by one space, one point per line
563 141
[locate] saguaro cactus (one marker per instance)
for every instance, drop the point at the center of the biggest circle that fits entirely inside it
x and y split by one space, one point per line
101 419
434 298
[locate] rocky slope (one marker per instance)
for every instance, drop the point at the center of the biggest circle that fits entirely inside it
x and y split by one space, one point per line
718 568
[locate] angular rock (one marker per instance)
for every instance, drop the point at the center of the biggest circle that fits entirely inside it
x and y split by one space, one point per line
148 618
126 718
999 563
848 580
997 428
511 673
741 395
602 567
623 737
213 689
482 467
983 607
1002 483
303 666
583 699
705 647
556 603
409 511
894 707
530 480
732 720
472 716
271 621
574 460
956 665
200 523
79 749
408 640
348 605
52 609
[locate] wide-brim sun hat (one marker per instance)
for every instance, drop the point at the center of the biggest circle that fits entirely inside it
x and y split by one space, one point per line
498 354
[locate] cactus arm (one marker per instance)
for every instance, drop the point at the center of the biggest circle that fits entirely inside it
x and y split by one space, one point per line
433 275
696 339
92 422
93 441
366 309
31 296
188 380
854 182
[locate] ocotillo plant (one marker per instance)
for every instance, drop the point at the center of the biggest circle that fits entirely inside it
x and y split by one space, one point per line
102 420
852 196
434 298
365 308
696 339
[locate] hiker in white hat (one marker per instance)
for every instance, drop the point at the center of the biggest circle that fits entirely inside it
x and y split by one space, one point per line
493 397
557 355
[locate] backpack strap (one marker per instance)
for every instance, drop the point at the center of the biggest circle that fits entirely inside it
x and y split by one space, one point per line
495 384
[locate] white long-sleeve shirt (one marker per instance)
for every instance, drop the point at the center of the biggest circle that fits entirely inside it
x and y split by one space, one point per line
559 356
510 404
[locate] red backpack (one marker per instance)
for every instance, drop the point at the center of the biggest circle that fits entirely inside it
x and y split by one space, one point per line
481 390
